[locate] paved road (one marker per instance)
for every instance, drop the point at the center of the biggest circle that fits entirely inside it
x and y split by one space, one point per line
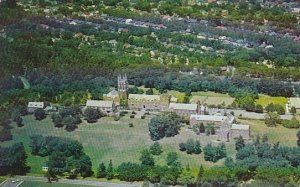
11 183
77 182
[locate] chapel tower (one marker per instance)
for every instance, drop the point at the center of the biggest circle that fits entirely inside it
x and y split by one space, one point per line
123 86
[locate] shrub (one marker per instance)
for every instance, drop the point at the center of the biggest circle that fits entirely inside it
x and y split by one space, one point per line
142 117
156 149
182 146
130 124
293 123
131 116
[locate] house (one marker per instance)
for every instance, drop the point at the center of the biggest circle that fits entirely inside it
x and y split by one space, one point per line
32 106
294 102
210 119
106 107
148 102
183 109
240 130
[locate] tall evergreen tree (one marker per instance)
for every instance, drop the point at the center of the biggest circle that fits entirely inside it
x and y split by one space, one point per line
239 143
110 171
101 172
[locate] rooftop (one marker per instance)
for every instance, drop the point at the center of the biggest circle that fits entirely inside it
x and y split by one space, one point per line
240 127
294 102
183 106
214 118
144 97
36 104
99 103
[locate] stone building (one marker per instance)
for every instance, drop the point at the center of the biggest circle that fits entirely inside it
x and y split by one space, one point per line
225 127
183 109
123 87
148 102
106 107
240 130
210 119
32 106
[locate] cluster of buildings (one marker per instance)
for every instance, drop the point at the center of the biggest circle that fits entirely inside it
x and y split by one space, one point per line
225 126
195 112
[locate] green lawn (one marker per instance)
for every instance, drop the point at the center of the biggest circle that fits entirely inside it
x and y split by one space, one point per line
209 94
284 135
265 100
44 184
108 139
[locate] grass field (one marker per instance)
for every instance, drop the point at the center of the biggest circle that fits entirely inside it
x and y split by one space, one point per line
108 139
284 135
209 94
265 100
44 184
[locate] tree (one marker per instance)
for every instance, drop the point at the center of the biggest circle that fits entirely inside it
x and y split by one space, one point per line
56 119
200 173
298 136
156 149
150 91
271 119
39 114
85 166
11 3
131 172
190 146
146 158
293 110
279 109
110 171
182 146
202 128
197 147
270 107
239 143
259 108
172 157
91 115
19 121
167 124
265 139
69 123
101 172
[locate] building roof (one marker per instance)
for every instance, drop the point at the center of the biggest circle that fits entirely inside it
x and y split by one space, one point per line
240 127
99 103
112 94
183 106
294 102
36 104
144 97
213 118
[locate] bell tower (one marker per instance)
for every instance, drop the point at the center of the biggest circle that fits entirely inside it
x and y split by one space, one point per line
123 86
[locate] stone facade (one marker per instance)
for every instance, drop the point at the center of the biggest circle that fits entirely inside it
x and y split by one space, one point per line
183 109
148 102
240 130
123 87
106 107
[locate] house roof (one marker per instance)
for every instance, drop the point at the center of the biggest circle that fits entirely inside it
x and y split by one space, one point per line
36 104
183 106
213 118
240 127
144 97
294 102
99 103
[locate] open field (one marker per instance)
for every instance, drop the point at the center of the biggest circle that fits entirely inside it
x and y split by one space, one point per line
209 94
108 139
264 100
177 94
45 184
284 135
